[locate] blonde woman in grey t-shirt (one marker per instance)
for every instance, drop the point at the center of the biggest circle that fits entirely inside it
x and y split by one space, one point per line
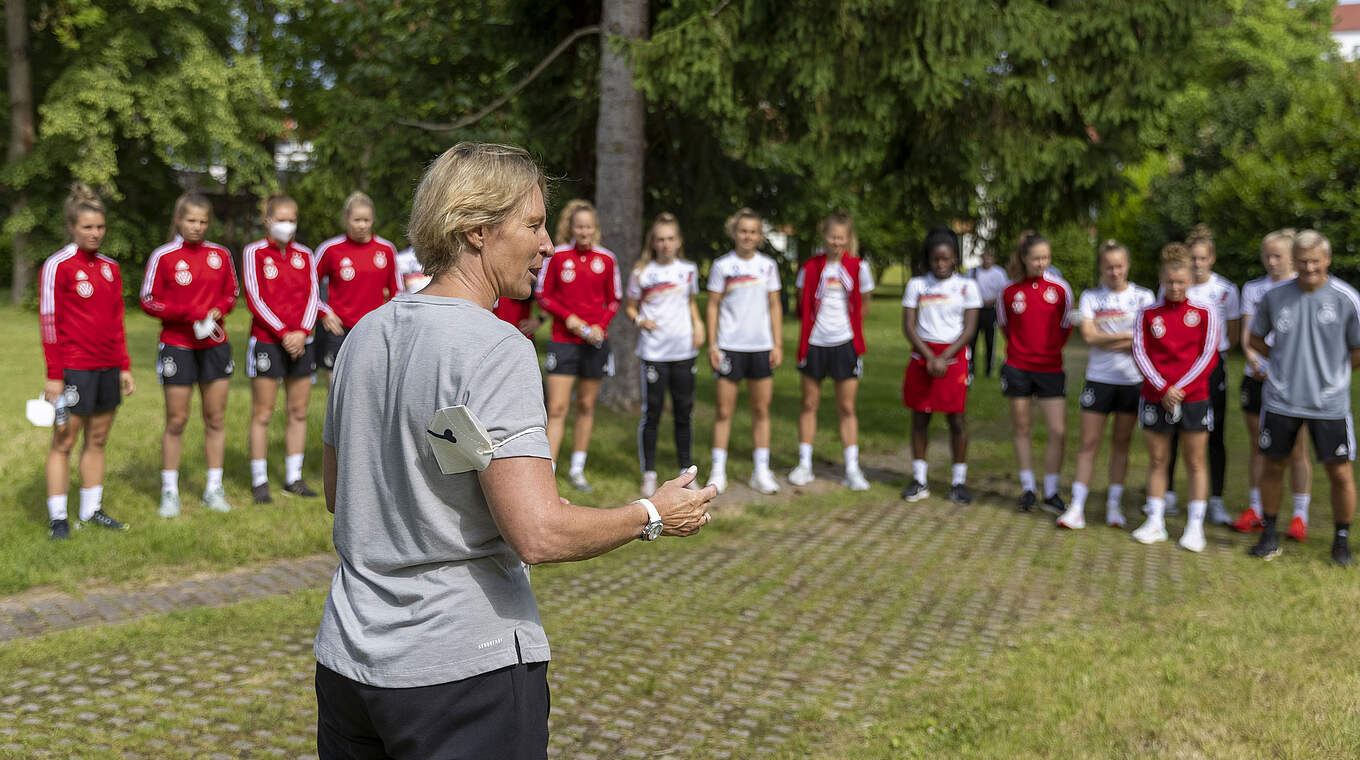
430 639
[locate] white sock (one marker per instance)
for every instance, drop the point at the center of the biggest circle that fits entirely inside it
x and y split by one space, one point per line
851 457
1115 495
1079 492
170 480
720 460
918 470
578 462
1156 509
1254 500
214 479
89 501
761 457
292 468
805 455
1217 501
960 474
1195 511
56 507
1027 480
1050 485
259 472
1301 502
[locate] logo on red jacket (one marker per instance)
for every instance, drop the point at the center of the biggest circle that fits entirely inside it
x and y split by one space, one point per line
380 260
597 265
214 260
1191 318
1158 327
298 261
1018 303
1051 295
84 288
270 270
346 269
182 274
568 274
568 264
107 271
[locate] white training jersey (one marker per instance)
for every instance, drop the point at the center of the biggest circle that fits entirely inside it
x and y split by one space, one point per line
991 281
1252 293
1114 312
410 274
831 325
1221 295
940 305
663 293
745 285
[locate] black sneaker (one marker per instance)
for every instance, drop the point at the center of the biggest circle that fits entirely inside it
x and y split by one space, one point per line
915 492
959 494
261 493
104 521
1054 505
299 488
1267 548
59 530
1341 552
1027 500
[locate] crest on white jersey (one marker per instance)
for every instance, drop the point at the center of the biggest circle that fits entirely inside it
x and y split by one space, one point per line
1191 318
1158 328
597 265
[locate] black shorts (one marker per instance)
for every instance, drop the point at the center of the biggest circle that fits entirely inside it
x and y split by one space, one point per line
839 362
1196 417
1021 383
1333 440
744 365
1251 395
176 365
270 360
1108 398
328 346
579 360
91 391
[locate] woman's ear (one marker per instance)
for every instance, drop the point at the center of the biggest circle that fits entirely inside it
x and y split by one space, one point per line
476 237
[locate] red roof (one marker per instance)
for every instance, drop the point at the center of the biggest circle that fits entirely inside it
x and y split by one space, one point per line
1346 18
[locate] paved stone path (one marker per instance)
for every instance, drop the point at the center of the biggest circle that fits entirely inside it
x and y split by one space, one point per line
804 621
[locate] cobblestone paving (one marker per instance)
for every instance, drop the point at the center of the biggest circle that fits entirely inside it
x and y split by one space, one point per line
800 622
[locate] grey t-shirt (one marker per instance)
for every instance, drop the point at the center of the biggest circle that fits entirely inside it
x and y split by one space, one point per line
1310 366
427 590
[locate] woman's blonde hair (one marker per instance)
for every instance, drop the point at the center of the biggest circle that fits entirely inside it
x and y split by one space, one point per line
1285 235
186 201
844 219
272 203
1028 239
81 199
645 258
1311 240
1201 235
1175 256
470 185
569 212
356 198
738 217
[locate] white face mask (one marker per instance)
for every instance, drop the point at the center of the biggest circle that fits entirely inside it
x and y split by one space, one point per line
282 231
460 442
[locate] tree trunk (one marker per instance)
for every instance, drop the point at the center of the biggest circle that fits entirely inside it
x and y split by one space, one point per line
21 132
618 179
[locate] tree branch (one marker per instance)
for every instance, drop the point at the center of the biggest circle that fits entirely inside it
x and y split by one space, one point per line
473 118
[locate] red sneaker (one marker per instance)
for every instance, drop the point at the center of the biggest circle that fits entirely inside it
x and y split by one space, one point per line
1248 522
1298 529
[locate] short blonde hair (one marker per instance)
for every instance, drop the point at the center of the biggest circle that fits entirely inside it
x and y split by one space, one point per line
568 215
1284 235
1312 240
470 185
356 198
738 217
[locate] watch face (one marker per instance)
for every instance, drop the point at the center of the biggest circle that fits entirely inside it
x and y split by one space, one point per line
652 530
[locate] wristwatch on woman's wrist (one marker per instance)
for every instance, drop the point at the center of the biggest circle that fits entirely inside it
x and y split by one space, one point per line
653 528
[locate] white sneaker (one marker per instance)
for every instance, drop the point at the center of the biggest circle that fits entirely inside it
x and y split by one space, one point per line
718 478
216 500
648 484
1193 538
854 480
1218 515
169 504
762 480
579 482
1150 532
801 475
1073 519
1114 517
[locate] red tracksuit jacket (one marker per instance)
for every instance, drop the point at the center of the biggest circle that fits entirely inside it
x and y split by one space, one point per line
280 289
363 276
183 282
583 281
1176 344
80 304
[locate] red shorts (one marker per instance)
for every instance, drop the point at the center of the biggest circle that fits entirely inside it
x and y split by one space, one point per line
925 393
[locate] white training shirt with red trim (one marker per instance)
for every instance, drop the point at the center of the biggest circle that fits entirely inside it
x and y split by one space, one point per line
1220 294
183 282
1036 315
80 305
1113 312
1176 344
744 315
940 305
580 280
664 294
281 289
362 276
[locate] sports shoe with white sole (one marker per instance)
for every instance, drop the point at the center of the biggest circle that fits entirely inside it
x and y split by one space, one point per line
216 500
719 479
648 484
1114 517
801 476
763 481
579 482
854 480
169 504
1073 519
1218 515
1193 537
915 491
101 519
1152 531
